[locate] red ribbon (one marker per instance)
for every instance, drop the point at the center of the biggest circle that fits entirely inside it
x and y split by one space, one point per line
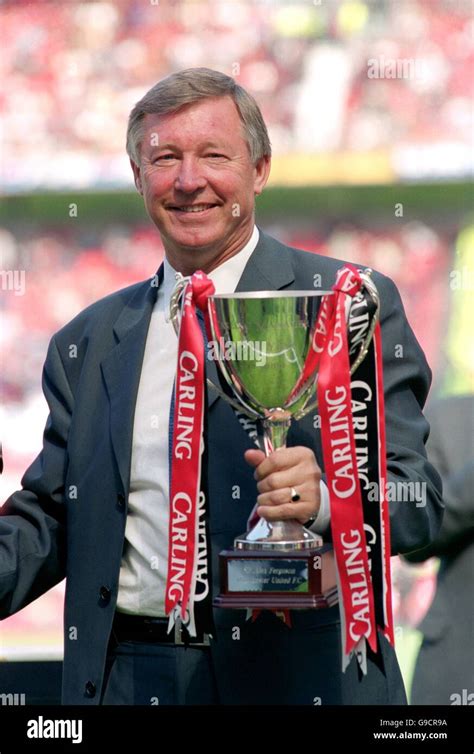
186 453
340 463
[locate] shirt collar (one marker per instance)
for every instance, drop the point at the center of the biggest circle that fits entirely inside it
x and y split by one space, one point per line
225 277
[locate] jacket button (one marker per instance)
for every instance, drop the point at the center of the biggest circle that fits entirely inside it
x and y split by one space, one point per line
90 689
104 595
121 501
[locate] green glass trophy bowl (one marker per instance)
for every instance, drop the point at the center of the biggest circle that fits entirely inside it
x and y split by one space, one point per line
263 341
266 338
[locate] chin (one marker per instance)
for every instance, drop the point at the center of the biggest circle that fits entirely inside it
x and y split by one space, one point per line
197 241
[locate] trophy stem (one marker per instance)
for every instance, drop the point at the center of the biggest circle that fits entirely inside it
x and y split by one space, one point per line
277 535
276 427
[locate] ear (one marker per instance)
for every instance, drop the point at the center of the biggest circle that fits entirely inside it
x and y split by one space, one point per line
137 177
262 171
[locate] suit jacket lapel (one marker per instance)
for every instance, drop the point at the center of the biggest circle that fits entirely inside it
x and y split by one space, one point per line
269 267
121 370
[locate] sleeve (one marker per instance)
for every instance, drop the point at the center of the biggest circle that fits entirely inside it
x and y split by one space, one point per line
457 528
321 523
414 489
33 519
458 521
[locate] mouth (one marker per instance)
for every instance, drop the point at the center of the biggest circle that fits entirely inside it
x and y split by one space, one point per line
191 209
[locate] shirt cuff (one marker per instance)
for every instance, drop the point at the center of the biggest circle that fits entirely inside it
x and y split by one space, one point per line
321 523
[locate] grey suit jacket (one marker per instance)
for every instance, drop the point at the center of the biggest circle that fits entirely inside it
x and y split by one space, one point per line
69 518
448 627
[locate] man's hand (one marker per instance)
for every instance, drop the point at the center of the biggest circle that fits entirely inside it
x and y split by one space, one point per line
278 474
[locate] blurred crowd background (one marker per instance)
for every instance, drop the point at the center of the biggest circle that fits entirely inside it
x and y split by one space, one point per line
355 94
72 73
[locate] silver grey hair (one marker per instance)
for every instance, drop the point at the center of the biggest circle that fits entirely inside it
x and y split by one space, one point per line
191 85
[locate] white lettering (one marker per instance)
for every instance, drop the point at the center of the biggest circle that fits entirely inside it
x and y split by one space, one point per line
41 728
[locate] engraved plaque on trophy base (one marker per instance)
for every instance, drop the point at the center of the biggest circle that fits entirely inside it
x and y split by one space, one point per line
278 579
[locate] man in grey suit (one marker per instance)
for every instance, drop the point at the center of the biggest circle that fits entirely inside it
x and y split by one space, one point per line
95 503
447 651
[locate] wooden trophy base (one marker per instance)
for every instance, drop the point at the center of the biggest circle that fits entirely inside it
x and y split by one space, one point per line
299 579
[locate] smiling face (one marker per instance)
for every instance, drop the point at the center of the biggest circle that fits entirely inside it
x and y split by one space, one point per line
198 182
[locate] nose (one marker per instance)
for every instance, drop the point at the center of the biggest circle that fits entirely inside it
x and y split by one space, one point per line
190 177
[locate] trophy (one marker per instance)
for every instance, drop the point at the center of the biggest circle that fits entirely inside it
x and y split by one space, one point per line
266 343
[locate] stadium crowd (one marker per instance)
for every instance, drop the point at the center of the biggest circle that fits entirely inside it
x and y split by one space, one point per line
332 76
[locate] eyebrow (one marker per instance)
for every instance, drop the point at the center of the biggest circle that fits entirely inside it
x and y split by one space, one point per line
205 145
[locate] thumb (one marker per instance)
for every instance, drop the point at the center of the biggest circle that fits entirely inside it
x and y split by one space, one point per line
254 457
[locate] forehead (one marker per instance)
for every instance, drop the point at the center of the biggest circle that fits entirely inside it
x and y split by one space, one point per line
214 118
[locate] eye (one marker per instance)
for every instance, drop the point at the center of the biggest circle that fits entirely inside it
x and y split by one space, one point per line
164 157
216 155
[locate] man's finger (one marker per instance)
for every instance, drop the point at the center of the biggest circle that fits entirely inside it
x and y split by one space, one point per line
254 457
279 460
276 497
281 479
300 511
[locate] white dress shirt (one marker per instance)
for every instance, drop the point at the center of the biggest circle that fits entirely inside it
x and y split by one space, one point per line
143 569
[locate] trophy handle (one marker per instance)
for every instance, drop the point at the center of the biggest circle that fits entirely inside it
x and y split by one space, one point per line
175 311
242 407
366 276
175 300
